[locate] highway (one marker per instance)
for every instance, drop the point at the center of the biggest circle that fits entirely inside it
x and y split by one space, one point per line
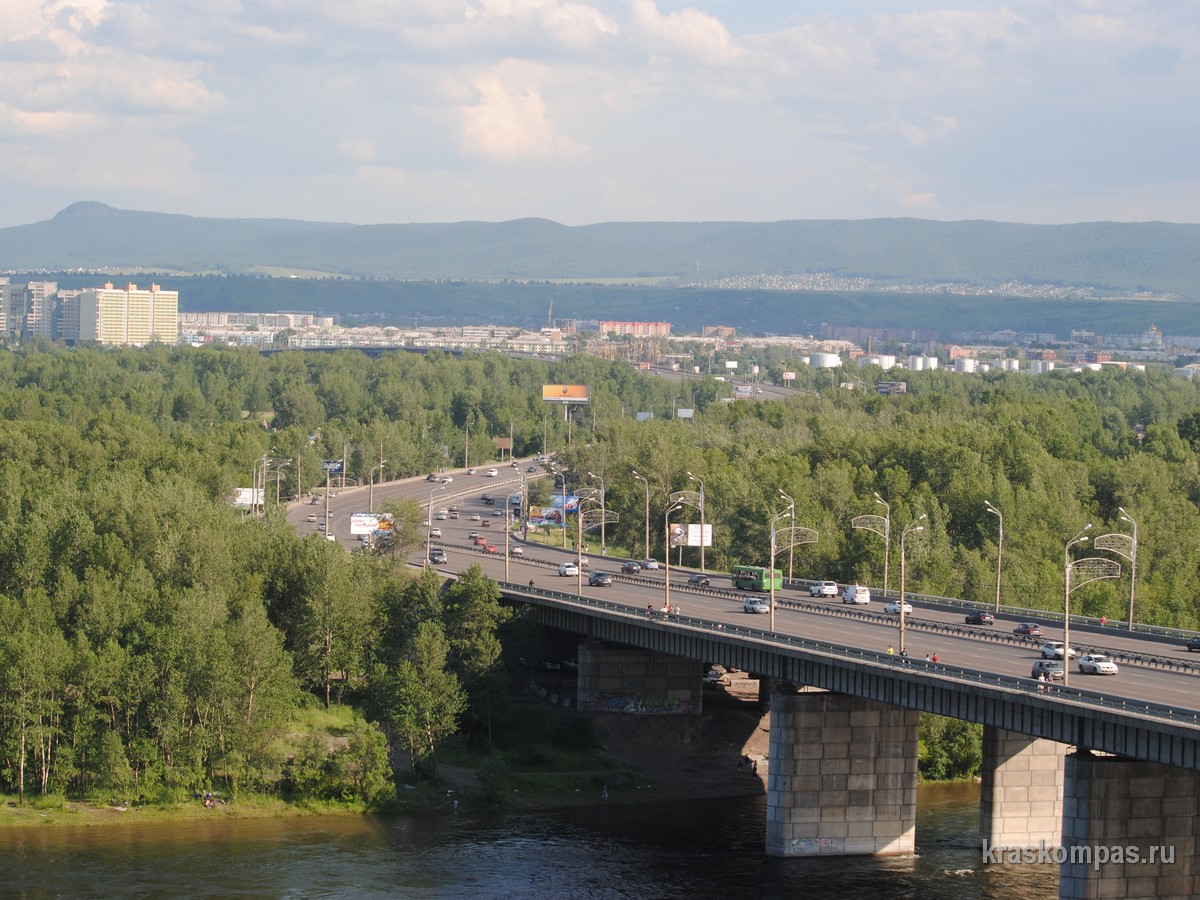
977 647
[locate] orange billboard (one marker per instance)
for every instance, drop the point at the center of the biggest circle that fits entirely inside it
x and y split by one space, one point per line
565 393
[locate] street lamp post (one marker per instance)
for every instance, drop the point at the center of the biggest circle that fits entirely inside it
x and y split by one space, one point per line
643 480
508 523
1132 563
667 554
791 548
887 539
700 481
999 547
1078 539
912 527
603 541
429 521
786 514
371 489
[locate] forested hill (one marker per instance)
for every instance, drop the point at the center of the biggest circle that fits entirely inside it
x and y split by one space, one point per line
1152 257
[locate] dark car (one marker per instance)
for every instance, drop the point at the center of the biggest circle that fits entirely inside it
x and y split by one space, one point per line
980 618
630 568
1051 668
698 580
1028 629
1193 644
599 579
431 477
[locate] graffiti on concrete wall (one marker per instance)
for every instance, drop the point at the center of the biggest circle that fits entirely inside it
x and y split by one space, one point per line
632 704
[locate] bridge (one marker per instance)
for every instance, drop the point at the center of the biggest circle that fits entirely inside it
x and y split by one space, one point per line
842 768
1112 764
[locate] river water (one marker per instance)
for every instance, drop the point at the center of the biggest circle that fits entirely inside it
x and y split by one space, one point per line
696 850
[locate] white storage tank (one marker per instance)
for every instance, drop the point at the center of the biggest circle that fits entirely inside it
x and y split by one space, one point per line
826 360
916 363
965 365
931 363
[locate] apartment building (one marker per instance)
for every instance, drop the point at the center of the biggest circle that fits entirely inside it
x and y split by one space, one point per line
129 316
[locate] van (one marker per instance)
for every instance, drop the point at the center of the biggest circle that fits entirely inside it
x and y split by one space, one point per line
856 593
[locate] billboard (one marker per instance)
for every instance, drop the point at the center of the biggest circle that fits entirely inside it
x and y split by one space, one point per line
690 535
369 523
247 498
553 514
565 393
789 376
685 413
332 466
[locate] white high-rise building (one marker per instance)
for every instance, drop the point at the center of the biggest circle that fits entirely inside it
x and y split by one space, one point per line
129 316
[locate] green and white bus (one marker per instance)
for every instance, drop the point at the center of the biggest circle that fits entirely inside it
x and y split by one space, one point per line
756 578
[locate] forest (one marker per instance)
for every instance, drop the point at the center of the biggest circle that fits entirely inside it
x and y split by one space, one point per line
155 641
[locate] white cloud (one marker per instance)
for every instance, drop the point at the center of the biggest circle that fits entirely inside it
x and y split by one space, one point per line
509 120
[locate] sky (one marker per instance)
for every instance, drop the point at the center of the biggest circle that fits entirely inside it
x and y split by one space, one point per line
586 111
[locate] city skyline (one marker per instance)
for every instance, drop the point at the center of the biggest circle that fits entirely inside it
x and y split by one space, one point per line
586 112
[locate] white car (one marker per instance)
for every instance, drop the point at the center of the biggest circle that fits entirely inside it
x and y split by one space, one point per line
756 605
492 473
446 479
856 593
516 551
568 569
1057 650
649 563
435 532
1097 664
471 471
892 608
823 589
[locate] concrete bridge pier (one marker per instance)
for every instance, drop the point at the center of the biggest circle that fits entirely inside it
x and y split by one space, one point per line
1113 805
842 776
1020 803
637 682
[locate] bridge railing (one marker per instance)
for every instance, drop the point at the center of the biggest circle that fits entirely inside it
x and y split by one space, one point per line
1026 686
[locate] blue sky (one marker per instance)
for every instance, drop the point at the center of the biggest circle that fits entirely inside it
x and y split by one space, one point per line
371 111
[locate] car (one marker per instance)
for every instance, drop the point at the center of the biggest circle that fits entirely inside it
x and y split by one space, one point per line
517 551
1097 664
892 608
1056 650
599 579
1051 668
515 464
315 501
490 548
492 473
332 494
630 568
475 517
442 515
1193 644
1028 629
497 512
447 479
312 517
471 535
431 477
756 605
437 556
487 500
823 589
572 664
320 526
649 563
454 512
331 536
585 563
551 665
568 569
480 542
471 471
980 618
699 580
486 523
435 532
714 677
856 593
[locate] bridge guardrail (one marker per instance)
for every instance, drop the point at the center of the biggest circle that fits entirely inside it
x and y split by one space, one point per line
1025 686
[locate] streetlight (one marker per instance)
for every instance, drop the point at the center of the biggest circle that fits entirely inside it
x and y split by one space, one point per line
1078 539
791 548
667 554
371 489
428 521
912 527
642 478
786 514
700 481
887 539
508 504
1132 563
279 467
999 547
603 542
